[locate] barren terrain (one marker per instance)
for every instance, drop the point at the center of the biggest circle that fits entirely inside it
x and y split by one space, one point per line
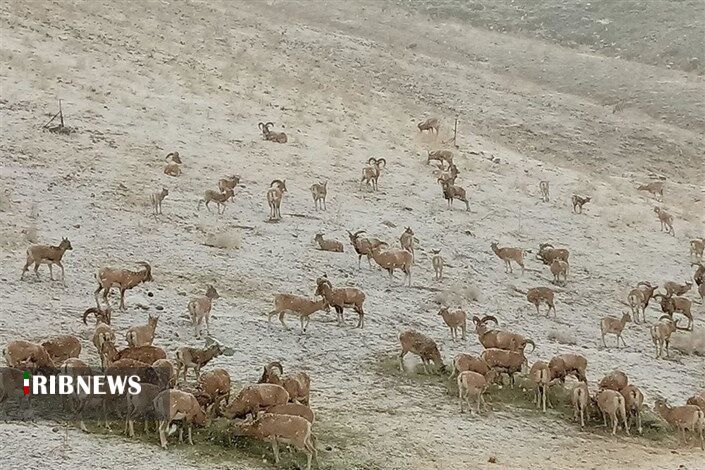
346 81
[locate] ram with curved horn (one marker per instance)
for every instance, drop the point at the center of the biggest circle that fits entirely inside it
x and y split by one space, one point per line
363 245
499 339
274 198
370 174
279 137
548 253
340 298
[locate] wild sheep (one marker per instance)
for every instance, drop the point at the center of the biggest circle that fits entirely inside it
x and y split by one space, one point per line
568 364
122 278
229 182
455 319
543 187
540 375
701 292
199 309
102 333
328 245
499 339
639 298
558 268
452 192
615 380
471 384
503 361
216 384
699 274
438 262
697 246
342 297
580 398
61 348
278 137
280 428
685 417
142 335
673 288
173 167
441 156
614 326
197 358
297 385
666 220
671 305
147 354
612 403
393 259
319 191
253 398
508 255
539 295
655 188
363 245
219 198
450 175
275 193
698 400
173 405
20 353
406 240
156 199
430 124
421 345
45 254
297 305
634 402
141 405
370 174
578 203
165 371
102 315
547 254
661 332
293 409
463 362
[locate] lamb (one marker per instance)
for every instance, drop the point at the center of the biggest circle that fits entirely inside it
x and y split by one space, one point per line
547 254
102 334
697 246
220 199
471 384
539 295
62 348
639 298
407 240
342 297
141 405
278 137
20 353
503 361
685 417
540 374
173 167
579 202
558 268
499 339
297 305
615 326
580 397
455 319
280 428
430 124
297 385
671 305
319 191
441 156
363 245
666 220
393 259
508 255
275 193
123 278
655 188
293 409
215 384
370 174
615 380
634 402
673 288
254 398
199 310
421 345
568 364
142 335
197 358
543 187
45 254
229 182
452 192
661 332
437 261
156 199
171 405
328 245
612 403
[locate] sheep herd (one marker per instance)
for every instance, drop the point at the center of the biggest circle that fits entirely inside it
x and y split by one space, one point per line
277 408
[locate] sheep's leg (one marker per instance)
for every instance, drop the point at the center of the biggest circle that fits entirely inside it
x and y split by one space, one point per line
620 337
638 421
667 353
281 319
460 398
190 440
275 449
614 419
325 208
208 207
624 420
401 360
603 340
582 417
63 275
122 298
208 324
544 392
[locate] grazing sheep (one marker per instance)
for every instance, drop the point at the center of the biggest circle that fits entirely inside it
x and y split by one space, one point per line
174 405
548 253
580 397
540 374
45 254
655 188
141 406
62 347
215 384
253 398
430 124
297 385
615 326
471 384
504 361
685 417
579 202
612 403
463 362
499 339
615 380
20 353
508 255
634 402
568 364
421 345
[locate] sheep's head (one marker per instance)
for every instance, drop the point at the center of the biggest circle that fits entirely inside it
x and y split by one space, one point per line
319 237
147 270
65 244
212 293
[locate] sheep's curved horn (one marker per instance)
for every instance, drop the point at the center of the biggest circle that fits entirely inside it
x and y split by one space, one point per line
279 182
476 320
382 160
371 160
278 365
88 312
644 283
545 245
489 318
260 125
357 234
145 265
263 379
531 342
667 317
269 124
